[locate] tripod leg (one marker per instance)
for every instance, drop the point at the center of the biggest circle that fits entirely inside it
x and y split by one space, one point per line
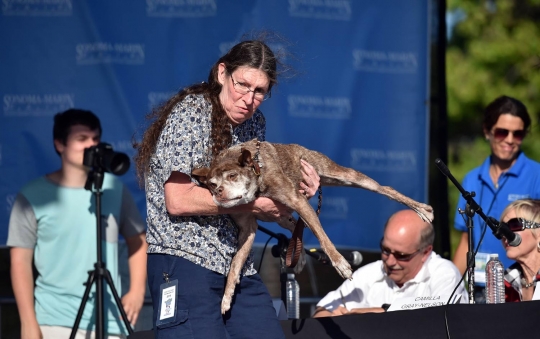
89 283
118 301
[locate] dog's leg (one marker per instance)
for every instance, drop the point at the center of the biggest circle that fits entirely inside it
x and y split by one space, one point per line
340 264
247 226
294 200
424 211
333 174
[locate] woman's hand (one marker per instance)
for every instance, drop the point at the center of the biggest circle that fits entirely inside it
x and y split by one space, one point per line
311 182
270 210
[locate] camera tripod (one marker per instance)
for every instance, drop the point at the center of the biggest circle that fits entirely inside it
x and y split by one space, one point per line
94 182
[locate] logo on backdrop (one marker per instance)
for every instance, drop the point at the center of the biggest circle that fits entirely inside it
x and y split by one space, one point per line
311 106
321 9
19 105
181 8
384 62
157 98
37 7
107 52
383 160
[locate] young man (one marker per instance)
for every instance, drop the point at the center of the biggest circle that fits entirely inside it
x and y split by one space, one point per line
409 268
53 223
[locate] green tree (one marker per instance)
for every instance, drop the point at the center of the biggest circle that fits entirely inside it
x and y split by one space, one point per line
495 50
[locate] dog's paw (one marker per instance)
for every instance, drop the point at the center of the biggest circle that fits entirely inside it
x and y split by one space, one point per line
225 304
344 269
425 212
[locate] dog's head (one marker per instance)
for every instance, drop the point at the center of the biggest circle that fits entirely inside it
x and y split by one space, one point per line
231 181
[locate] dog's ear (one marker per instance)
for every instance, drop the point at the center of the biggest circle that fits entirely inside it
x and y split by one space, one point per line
200 174
245 159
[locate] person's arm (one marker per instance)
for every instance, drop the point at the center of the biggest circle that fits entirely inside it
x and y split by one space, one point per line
133 300
184 198
367 310
323 312
22 281
460 256
349 296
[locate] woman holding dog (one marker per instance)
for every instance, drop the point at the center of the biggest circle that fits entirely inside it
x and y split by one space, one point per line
506 175
191 240
520 279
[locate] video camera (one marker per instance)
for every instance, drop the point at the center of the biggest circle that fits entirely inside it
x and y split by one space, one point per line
102 157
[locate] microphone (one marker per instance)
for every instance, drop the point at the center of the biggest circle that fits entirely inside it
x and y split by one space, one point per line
501 229
513 239
442 167
354 258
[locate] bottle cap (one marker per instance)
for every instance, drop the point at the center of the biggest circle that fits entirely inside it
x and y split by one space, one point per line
290 276
494 255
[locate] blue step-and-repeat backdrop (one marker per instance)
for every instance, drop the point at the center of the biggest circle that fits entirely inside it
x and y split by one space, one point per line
360 92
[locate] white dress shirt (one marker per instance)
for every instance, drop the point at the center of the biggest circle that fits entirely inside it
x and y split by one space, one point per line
371 287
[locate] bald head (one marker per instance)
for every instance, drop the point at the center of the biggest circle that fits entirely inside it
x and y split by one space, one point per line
406 245
407 226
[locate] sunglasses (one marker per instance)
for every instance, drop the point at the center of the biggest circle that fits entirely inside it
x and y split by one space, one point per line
502 133
399 256
519 224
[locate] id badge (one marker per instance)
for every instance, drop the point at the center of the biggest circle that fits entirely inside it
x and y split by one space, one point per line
167 302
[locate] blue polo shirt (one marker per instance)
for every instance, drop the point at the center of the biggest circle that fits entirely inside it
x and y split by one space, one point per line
521 181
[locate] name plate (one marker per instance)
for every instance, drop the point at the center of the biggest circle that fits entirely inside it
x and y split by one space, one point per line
411 303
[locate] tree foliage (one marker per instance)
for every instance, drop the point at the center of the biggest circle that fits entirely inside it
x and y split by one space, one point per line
495 50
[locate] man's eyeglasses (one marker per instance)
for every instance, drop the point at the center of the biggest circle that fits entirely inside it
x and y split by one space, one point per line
519 224
385 251
502 133
258 95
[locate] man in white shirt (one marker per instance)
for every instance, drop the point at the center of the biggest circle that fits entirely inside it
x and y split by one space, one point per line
409 268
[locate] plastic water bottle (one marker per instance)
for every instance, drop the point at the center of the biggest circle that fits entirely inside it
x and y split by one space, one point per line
494 280
293 297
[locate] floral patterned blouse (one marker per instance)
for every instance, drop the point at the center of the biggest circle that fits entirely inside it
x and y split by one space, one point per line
184 144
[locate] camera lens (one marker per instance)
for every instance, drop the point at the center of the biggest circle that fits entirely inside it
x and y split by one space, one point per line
116 163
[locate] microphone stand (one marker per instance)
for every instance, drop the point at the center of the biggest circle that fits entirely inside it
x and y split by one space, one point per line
100 272
280 251
471 261
470 209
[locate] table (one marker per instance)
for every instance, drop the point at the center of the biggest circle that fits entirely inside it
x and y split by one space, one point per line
465 321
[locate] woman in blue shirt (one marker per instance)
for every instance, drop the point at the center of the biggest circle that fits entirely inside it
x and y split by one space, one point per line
505 176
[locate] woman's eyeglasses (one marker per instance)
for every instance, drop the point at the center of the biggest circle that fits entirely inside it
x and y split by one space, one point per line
241 88
385 251
519 224
502 133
